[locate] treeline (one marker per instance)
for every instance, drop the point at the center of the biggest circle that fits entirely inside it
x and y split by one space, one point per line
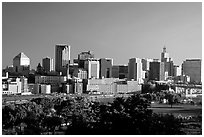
79 115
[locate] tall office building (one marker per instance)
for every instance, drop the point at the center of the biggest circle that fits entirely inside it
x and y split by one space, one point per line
21 64
92 66
192 68
135 69
83 56
47 64
169 68
165 55
157 71
62 58
120 71
168 63
105 67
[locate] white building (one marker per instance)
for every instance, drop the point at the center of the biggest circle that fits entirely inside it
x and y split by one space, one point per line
135 70
92 66
112 85
21 63
177 71
11 86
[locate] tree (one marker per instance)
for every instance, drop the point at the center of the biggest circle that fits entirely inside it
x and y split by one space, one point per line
51 122
172 98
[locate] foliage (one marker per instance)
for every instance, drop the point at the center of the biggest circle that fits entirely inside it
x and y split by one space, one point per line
82 116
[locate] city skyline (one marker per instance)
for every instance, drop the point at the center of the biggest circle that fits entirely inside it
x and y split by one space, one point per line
108 29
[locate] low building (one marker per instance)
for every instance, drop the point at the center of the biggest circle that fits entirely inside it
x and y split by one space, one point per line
39 88
11 86
14 85
189 90
80 73
112 86
50 79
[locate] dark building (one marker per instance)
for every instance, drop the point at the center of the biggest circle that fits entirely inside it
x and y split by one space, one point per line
40 69
105 67
156 71
84 56
62 58
169 67
120 71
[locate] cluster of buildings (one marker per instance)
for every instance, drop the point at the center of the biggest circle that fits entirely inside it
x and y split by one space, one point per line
88 74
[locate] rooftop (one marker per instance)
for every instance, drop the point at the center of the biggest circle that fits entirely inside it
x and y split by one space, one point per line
21 55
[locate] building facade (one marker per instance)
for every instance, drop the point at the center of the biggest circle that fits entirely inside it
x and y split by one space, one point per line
21 64
177 70
165 55
105 67
146 64
168 63
47 64
120 71
157 71
62 58
92 66
192 68
135 69
80 73
82 57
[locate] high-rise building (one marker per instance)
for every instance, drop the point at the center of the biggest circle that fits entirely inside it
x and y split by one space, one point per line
92 66
165 55
105 67
47 64
168 63
62 58
21 63
135 69
120 71
157 71
192 68
83 56
169 68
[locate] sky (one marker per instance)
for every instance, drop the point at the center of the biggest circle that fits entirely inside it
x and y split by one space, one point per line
111 30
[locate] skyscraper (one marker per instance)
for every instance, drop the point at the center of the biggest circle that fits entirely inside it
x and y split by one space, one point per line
135 69
192 68
21 64
164 55
157 71
62 58
47 64
106 67
168 63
